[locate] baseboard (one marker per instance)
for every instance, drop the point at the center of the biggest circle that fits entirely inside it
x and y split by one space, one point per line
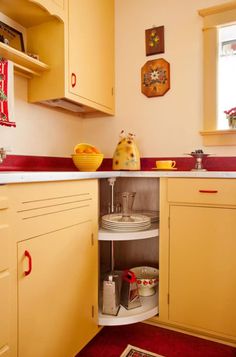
197 333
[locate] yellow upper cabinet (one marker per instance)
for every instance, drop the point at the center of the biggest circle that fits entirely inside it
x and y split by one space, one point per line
91 53
74 40
80 53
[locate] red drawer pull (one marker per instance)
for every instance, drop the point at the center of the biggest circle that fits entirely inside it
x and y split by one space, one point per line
27 255
208 191
73 80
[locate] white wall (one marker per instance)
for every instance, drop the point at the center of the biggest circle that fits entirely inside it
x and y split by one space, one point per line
39 130
164 126
167 125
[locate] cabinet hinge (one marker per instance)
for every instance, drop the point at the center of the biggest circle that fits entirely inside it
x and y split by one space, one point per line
168 222
112 91
92 239
92 311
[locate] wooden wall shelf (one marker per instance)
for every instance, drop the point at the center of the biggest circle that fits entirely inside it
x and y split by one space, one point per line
24 64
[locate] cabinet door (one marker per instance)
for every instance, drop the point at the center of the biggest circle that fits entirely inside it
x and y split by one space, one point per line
91 51
57 302
202 275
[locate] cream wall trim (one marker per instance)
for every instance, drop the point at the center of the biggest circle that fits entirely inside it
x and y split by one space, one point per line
210 78
220 18
219 137
217 9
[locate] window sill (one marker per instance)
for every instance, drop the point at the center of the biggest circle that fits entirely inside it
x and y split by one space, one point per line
219 137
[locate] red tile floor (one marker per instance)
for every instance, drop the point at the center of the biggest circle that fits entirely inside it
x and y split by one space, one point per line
112 340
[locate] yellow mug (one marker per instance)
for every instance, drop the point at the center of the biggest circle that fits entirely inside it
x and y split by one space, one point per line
165 164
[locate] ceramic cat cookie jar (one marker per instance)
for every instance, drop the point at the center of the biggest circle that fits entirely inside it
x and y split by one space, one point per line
126 155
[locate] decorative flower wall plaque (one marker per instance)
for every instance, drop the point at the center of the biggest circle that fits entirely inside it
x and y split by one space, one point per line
154 39
155 77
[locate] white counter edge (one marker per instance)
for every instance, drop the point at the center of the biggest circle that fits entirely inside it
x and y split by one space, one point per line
43 176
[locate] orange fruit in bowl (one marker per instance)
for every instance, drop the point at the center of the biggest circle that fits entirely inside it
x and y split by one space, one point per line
84 148
95 150
78 151
88 150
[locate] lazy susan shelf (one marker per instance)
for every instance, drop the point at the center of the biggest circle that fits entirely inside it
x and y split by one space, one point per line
148 309
108 235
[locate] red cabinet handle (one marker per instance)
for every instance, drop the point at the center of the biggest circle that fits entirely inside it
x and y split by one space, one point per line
208 191
73 80
27 255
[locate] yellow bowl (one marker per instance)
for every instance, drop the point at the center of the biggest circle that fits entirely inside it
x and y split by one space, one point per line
87 162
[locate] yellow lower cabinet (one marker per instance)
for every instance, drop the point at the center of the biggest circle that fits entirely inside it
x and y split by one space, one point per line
57 292
7 344
198 255
54 263
4 313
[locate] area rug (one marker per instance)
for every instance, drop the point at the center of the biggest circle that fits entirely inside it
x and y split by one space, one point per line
132 351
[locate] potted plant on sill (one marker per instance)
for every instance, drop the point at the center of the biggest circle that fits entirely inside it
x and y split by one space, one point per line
231 116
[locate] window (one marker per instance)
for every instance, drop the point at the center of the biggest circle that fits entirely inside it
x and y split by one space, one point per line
219 38
226 97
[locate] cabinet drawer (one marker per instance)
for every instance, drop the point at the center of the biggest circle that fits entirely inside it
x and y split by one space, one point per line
33 195
206 191
46 207
46 221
